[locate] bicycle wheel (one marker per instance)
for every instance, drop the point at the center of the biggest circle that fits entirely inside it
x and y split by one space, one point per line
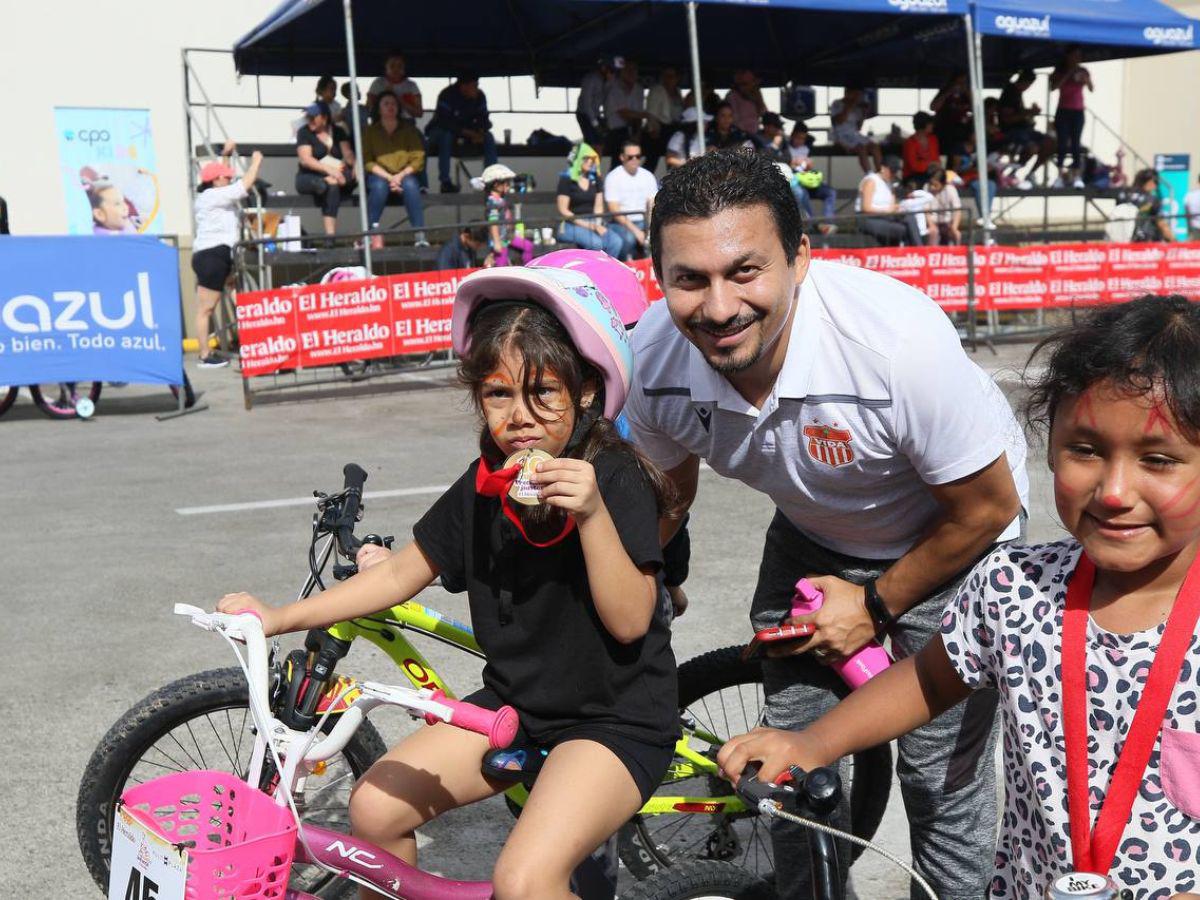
723 695
8 396
60 400
202 722
701 879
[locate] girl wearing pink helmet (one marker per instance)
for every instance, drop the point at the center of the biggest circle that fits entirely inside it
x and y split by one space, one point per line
561 563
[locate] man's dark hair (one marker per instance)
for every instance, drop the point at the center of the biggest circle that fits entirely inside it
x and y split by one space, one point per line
738 177
630 142
1146 346
477 233
325 81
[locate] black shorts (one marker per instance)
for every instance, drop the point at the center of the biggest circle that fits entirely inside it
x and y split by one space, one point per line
212 266
646 762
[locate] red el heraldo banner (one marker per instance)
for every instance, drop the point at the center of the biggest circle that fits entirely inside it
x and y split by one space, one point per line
396 315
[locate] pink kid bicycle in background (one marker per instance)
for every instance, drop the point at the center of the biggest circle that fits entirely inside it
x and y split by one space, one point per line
242 842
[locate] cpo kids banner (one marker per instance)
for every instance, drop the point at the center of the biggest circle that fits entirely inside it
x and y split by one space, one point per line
78 308
109 171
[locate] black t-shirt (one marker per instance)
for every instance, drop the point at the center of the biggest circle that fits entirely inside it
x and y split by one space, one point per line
305 137
581 202
548 653
1012 107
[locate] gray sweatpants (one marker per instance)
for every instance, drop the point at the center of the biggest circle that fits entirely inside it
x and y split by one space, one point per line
946 770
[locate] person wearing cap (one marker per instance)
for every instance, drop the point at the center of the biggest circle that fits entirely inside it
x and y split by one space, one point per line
685 143
504 232
879 210
580 202
218 208
589 108
393 158
461 113
326 163
629 191
326 92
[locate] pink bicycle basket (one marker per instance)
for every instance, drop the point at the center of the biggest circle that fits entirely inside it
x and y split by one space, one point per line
240 843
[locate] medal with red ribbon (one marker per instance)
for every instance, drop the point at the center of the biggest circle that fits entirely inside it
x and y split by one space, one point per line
503 483
1093 849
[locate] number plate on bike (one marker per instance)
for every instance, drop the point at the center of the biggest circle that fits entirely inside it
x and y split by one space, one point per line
144 865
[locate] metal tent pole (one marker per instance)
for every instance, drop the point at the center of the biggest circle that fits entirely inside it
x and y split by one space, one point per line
975 71
352 62
694 46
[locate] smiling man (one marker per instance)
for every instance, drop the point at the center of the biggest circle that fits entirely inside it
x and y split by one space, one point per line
893 460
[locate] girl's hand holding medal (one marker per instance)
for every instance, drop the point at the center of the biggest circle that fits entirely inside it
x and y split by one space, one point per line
570 485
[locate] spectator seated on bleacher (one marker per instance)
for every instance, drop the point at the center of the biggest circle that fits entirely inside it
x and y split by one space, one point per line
921 151
460 252
393 158
664 115
1149 225
461 115
723 132
629 191
1017 122
917 204
745 98
395 80
946 209
808 181
847 116
580 202
624 108
952 117
968 173
685 143
879 211
771 141
326 161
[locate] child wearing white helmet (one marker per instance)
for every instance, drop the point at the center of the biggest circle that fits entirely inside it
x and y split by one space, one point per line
501 217
553 534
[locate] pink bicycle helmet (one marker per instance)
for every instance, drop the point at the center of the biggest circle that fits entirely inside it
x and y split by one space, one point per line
616 281
588 315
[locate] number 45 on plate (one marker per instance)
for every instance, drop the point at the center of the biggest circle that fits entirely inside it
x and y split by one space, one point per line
144 866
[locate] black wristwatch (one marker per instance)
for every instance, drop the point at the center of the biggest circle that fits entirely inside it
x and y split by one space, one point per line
877 609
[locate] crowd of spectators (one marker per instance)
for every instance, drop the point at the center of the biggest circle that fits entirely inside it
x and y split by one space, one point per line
911 191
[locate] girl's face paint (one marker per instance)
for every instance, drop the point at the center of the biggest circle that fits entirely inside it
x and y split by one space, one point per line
510 420
1126 481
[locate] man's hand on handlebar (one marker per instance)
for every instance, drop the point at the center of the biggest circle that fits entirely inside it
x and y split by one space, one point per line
242 602
371 555
777 750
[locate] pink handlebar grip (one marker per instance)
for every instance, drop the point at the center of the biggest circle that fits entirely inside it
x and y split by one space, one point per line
499 725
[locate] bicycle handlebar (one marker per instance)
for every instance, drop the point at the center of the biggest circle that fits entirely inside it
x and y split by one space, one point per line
354 477
499 725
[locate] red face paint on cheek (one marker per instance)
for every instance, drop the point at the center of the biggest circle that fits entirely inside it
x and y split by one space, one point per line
1169 511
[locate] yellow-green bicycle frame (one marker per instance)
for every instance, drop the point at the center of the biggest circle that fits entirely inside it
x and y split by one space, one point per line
386 631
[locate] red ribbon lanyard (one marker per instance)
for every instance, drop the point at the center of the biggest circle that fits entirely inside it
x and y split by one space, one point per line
1093 850
497 484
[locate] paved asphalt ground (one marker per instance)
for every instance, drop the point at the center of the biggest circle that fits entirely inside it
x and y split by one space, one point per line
97 553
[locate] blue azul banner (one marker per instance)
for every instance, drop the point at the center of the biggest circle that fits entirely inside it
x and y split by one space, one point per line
86 308
109 171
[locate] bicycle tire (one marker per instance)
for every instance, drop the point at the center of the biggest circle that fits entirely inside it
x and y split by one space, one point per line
701 879
8 396
62 406
722 670
180 703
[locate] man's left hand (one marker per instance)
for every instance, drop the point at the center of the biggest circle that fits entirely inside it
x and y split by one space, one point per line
843 625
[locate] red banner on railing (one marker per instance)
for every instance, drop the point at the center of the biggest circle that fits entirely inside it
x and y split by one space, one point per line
396 315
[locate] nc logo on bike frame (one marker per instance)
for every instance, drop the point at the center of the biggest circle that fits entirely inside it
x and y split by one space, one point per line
829 445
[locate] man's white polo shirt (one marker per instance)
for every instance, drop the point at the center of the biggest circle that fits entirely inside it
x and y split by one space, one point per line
875 400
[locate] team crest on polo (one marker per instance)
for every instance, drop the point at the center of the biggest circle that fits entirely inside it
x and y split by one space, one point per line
829 445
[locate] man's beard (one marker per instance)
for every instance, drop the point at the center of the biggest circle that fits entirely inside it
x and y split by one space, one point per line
741 358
